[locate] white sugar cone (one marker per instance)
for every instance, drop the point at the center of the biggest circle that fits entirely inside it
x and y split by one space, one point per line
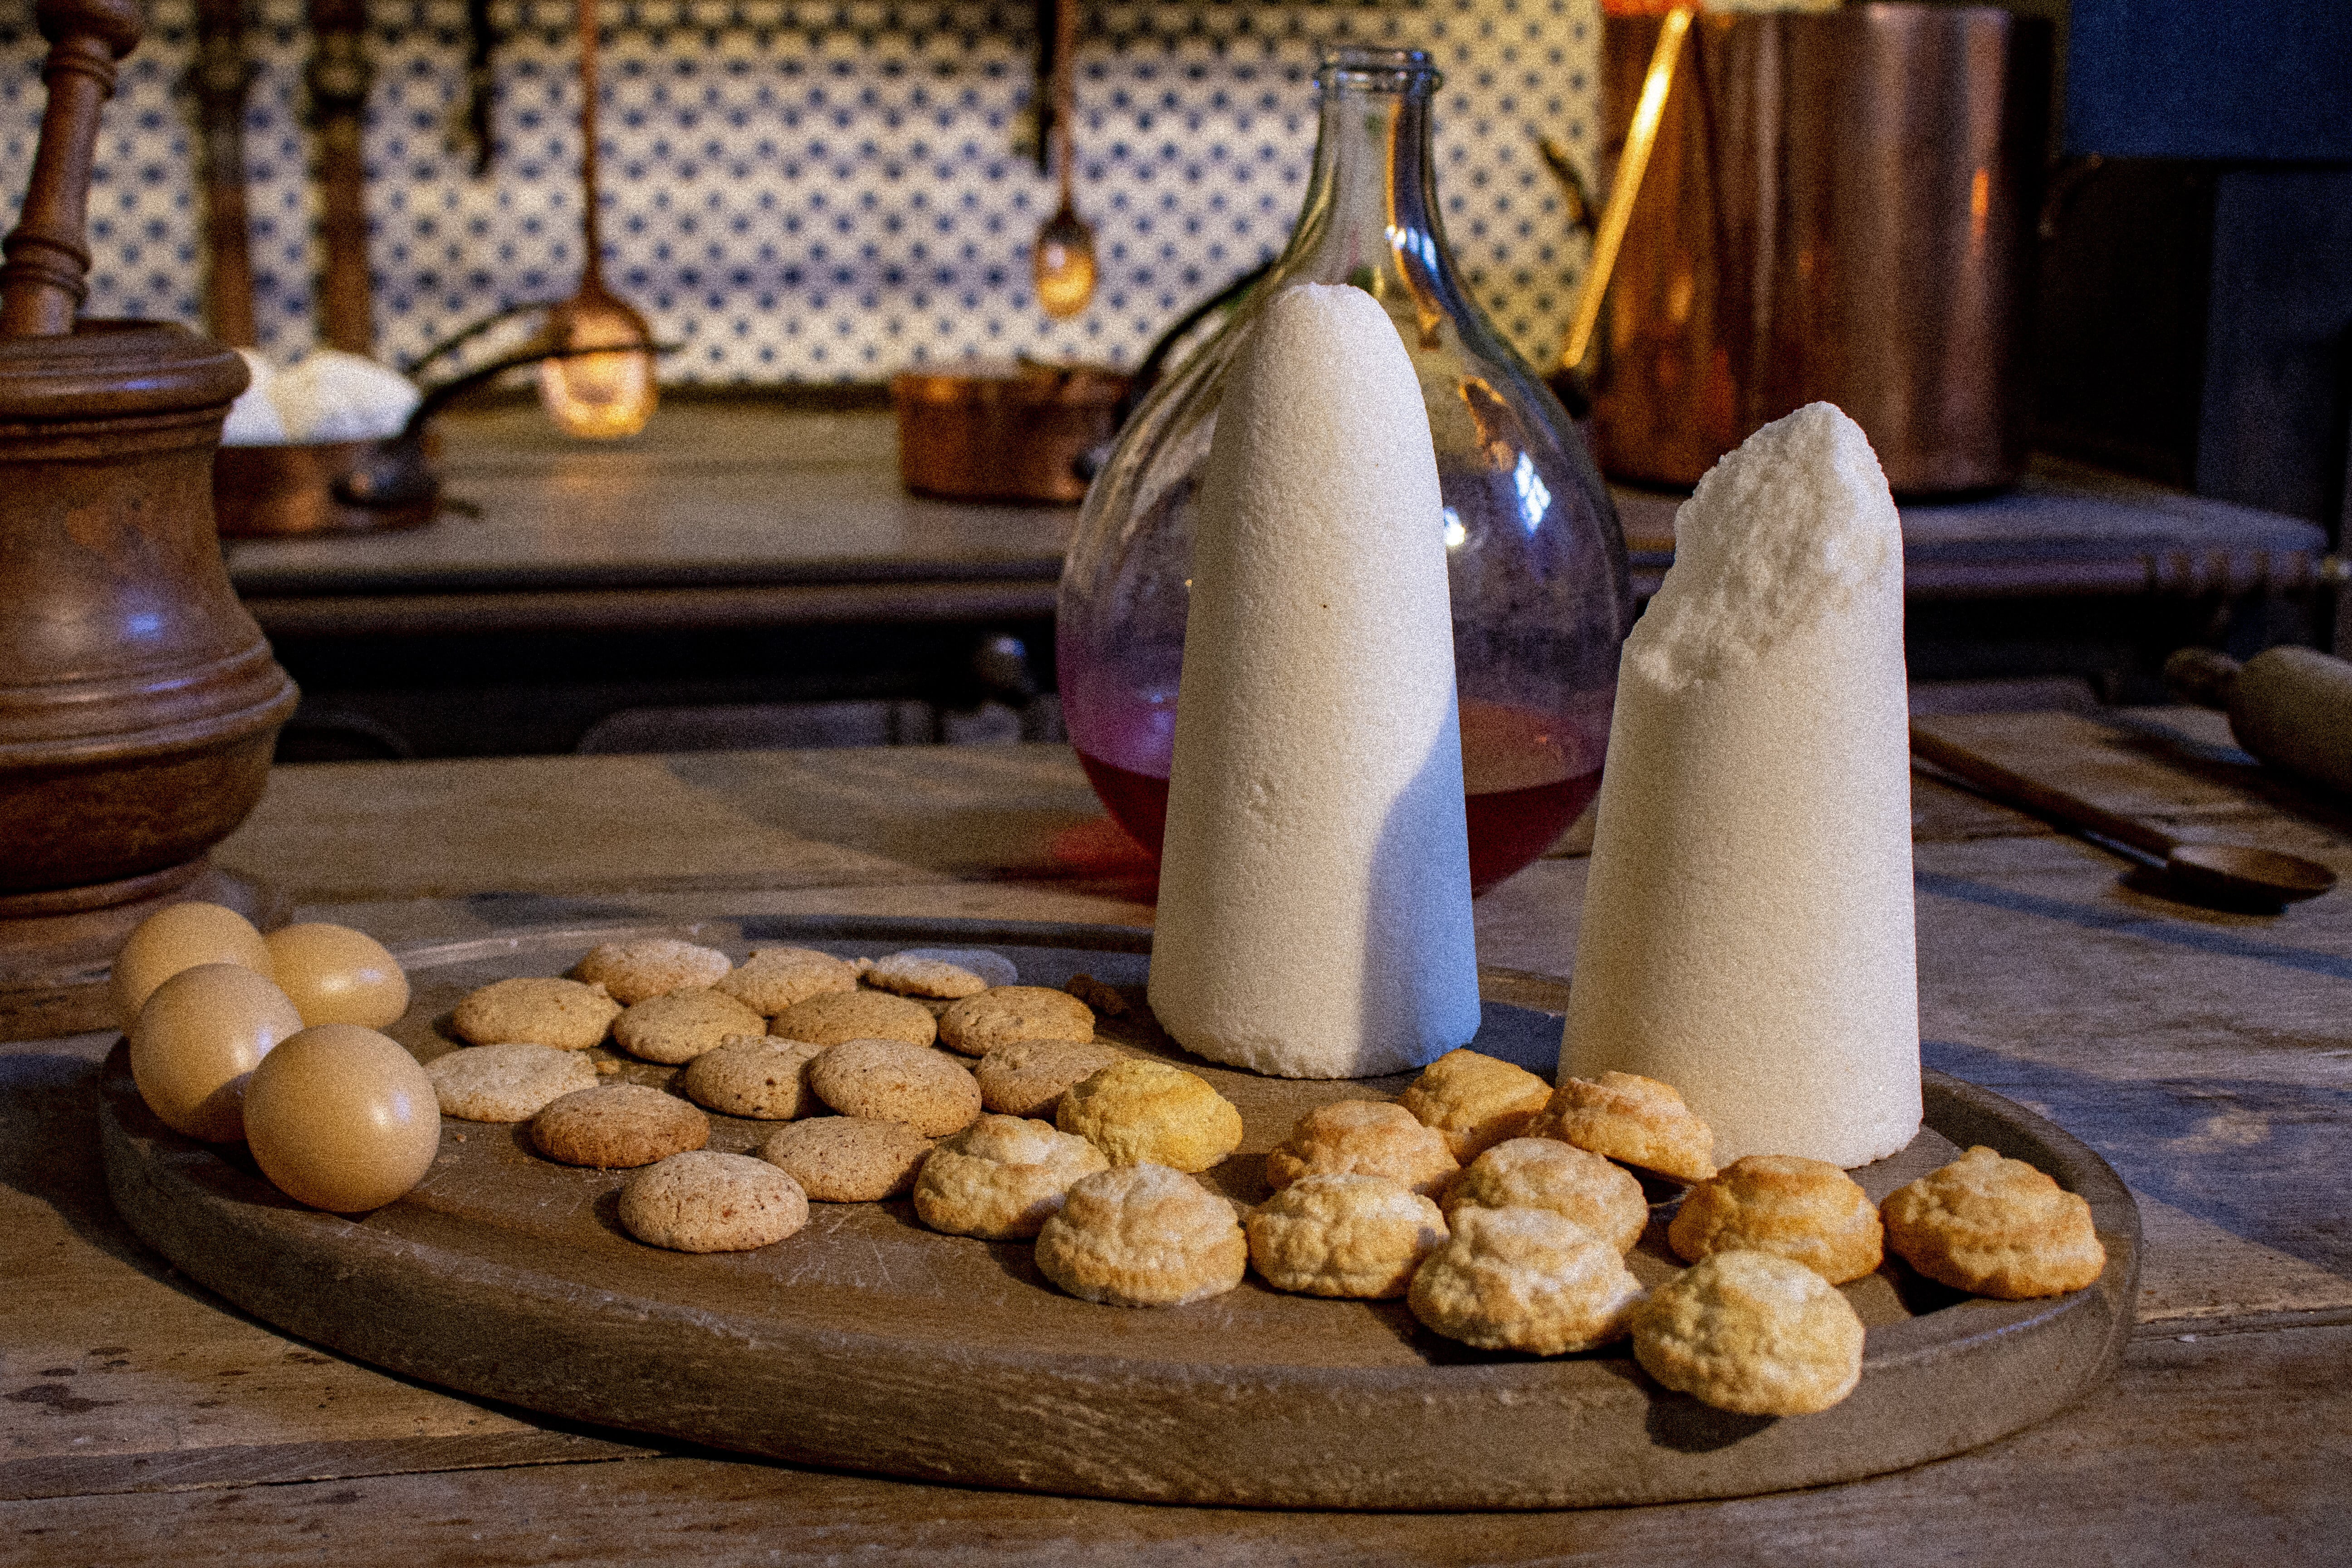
1747 925
1315 883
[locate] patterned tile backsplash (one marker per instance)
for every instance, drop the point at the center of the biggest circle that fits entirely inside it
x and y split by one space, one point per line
825 191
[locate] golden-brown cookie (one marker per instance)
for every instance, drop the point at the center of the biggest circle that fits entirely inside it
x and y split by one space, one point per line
1636 1120
1343 1234
1807 1211
947 972
1139 1111
847 1158
838 1016
1545 1173
1524 1279
1001 1178
702 1202
1028 1077
633 971
1751 1332
760 1077
1996 1228
774 978
1143 1235
618 1125
1474 1102
891 1081
680 1025
510 1082
1368 1137
564 1014
1003 1014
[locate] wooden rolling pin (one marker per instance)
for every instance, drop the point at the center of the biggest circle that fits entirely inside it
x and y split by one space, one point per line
2291 706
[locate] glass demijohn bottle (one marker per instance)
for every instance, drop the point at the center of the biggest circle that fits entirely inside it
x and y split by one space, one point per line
1536 559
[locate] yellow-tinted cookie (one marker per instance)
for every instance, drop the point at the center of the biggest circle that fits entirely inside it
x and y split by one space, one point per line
1140 1111
1476 1101
1807 1211
1752 1332
1623 1116
1368 1137
1996 1228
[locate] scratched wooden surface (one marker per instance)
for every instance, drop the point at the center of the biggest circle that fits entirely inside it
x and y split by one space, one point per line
2208 1056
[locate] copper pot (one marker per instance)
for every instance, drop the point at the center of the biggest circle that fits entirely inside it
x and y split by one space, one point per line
1012 432
1836 209
322 487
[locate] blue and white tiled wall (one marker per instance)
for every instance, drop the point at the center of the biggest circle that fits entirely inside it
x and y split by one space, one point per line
825 190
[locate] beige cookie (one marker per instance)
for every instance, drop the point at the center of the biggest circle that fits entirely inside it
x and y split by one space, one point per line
839 1016
949 971
1138 1111
1143 1235
507 1083
1807 1211
702 1202
681 1024
1028 1077
760 1077
1524 1279
1545 1173
564 1014
891 1081
1001 1178
633 971
1474 1102
1639 1120
847 1158
1344 1235
1752 1332
618 1125
1996 1228
1369 1138
774 978
1003 1014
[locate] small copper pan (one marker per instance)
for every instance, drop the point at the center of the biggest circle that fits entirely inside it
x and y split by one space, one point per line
1003 432
317 487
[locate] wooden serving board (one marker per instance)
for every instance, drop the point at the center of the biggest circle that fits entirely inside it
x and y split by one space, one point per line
868 1343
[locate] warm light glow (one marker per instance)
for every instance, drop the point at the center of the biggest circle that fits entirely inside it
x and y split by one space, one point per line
1065 277
601 396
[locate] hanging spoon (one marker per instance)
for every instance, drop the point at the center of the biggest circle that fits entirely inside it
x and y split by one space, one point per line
587 391
1063 263
2237 874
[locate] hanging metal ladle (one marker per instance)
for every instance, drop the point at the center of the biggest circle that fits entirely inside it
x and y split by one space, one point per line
1062 264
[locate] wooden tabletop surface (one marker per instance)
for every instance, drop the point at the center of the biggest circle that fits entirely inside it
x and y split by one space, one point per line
752 512
2207 1056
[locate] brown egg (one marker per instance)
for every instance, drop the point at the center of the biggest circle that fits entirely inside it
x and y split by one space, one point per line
337 975
342 1118
201 1032
181 936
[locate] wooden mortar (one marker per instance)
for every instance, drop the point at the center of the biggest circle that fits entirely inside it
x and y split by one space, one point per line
139 702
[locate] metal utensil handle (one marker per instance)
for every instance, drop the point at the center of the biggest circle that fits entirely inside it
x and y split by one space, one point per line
2040 799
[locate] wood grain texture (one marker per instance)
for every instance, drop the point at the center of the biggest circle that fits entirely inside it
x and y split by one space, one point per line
868 1343
2232 1448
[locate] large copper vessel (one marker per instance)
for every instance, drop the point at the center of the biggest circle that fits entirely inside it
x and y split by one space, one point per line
1838 207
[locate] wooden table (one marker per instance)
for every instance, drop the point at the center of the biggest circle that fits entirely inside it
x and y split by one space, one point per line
2209 1056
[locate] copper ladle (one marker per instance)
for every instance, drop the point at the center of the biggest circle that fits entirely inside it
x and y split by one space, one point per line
1062 264
600 395
2237 874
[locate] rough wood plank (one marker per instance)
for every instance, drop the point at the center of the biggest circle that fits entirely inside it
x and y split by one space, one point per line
340 831
276 1464
2228 1448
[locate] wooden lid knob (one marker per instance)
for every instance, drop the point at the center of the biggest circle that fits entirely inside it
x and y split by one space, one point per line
45 278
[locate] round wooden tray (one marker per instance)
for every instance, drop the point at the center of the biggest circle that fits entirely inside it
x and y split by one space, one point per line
867 1342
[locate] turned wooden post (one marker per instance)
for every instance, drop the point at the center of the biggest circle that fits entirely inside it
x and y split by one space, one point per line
339 76
221 80
45 278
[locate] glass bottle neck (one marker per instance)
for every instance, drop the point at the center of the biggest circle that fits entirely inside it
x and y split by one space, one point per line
1370 213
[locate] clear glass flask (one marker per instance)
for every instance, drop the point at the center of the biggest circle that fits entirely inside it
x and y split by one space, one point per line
1536 558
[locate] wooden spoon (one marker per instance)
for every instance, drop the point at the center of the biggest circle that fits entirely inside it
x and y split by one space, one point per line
1062 264
2231 873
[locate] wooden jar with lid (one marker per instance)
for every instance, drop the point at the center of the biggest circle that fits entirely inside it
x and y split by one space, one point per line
138 701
